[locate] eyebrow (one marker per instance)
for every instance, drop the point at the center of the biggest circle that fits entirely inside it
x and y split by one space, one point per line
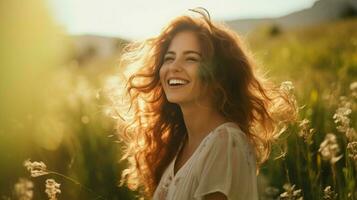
185 52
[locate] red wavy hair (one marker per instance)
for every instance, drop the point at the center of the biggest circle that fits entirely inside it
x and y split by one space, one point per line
242 95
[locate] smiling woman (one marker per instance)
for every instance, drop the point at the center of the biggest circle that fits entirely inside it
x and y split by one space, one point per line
204 118
179 72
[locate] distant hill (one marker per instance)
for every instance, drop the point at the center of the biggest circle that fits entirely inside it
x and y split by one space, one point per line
92 46
322 11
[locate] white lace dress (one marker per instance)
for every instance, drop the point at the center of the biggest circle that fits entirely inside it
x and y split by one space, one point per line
223 162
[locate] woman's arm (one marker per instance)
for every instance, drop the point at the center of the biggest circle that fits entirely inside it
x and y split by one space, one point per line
215 196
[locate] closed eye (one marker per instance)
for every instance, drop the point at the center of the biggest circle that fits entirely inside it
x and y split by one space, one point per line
192 59
168 59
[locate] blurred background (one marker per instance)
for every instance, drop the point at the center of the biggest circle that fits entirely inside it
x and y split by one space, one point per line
59 81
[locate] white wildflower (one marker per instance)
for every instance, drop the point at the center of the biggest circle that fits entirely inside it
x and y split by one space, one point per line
341 117
52 189
353 86
36 168
304 124
306 132
329 149
23 189
352 150
329 194
351 134
290 193
287 86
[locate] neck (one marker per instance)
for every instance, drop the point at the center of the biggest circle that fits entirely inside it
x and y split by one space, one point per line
200 120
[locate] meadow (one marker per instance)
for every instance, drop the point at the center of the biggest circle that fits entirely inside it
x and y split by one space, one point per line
316 158
58 109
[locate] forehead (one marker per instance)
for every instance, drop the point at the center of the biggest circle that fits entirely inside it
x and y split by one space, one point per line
185 40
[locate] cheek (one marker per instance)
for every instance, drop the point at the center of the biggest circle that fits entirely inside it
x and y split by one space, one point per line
198 79
194 73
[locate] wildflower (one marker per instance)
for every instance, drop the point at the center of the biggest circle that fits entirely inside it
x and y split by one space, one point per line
36 168
23 189
52 189
353 87
287 86
306 132
304 124
290 193
341 118
352 150
329 194
329 149
351 134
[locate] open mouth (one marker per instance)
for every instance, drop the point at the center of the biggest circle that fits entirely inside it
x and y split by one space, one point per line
175 82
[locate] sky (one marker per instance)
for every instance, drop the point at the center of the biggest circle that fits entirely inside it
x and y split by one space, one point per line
140 19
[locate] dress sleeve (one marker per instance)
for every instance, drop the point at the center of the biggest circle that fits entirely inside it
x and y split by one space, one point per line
227 166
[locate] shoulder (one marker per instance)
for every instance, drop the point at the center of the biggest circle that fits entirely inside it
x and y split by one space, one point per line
228 140
228 127
224 139
228 134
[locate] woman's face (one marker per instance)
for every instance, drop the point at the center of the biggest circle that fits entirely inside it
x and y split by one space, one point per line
179 72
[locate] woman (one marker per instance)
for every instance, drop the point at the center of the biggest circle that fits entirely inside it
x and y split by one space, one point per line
202 117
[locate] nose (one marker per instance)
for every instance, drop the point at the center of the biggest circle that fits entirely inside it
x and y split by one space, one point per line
176 65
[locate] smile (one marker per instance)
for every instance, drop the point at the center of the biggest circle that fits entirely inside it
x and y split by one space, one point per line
176 82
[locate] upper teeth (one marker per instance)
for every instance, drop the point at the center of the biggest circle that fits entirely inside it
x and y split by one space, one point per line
177 81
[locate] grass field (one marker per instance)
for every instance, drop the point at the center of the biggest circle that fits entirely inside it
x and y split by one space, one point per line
57 110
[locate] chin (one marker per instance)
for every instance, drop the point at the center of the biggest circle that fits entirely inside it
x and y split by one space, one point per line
175 99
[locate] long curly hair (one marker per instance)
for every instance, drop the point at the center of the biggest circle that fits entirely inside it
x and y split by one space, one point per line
153 133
